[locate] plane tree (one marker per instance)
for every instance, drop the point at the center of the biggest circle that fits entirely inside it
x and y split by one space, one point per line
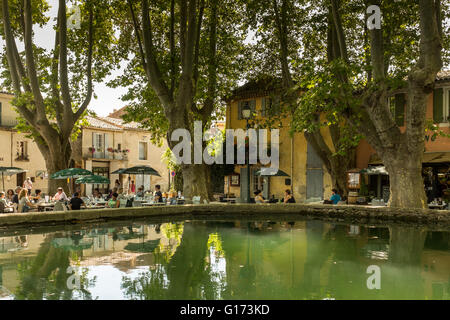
53 88
183 56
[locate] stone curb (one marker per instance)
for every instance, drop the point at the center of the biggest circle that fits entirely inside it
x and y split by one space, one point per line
346 212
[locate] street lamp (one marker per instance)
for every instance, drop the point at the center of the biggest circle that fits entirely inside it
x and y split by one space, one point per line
246 114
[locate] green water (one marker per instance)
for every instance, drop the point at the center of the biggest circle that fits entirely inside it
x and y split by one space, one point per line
226 260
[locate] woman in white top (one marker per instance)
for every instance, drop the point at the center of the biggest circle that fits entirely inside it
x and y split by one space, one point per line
60 195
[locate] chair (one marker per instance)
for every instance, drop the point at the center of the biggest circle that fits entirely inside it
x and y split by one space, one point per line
123 203
4 209
137 203
60 206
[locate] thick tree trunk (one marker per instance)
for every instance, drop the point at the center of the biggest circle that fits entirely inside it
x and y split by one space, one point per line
338 173
406 184
197 181
56 160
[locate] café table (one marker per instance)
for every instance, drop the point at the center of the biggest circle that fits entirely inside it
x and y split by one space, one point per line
45 206
437 206
151 204
88 207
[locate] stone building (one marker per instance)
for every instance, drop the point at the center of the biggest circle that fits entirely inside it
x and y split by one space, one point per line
117 145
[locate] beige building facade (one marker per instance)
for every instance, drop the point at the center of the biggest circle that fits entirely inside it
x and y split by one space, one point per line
104 145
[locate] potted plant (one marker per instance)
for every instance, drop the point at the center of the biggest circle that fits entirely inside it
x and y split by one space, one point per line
110 149
91 149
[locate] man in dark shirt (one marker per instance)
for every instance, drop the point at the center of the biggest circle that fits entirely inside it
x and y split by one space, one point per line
16 196
76 202
158 194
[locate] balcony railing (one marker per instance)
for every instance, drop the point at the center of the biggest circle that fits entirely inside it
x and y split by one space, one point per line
105 155
8 122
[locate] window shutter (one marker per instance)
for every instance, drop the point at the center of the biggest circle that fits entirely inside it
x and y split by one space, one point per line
253 107
240 104
276 109
399 113
263 107
438 105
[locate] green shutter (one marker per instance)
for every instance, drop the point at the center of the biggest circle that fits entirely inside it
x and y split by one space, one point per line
240 104
276 106
253 107
263 107
438 105
400 109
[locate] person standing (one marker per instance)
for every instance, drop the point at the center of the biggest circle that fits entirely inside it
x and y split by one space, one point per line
27 184
133 187
117 184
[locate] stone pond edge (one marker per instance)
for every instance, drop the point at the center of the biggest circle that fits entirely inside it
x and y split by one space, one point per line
345 212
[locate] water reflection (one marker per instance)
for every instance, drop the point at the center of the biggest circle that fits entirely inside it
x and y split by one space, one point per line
227 260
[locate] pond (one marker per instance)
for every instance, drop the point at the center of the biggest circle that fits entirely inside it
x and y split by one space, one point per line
304 259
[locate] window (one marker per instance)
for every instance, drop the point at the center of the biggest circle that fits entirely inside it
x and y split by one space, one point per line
270 106
441 105
22 151
99 144
104 172
142 150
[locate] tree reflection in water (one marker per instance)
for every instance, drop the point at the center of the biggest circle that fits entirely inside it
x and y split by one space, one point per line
45 276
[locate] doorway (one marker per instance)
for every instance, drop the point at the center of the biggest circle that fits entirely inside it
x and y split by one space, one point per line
314 174
21 179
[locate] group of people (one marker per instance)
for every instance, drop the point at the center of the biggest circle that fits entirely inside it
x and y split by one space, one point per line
288 197
19 200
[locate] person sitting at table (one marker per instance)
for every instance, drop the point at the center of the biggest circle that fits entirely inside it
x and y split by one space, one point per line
60 195
24 204
113 202
111 192
37 196
6 206
158 194
258 197
288 197
140 193
96 194
335 197
77 190
16 195
76 202
172 197
9 195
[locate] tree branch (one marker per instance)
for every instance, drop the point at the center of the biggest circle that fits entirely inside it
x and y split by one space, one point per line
212 66
63 70
154 74
88 97
31 66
